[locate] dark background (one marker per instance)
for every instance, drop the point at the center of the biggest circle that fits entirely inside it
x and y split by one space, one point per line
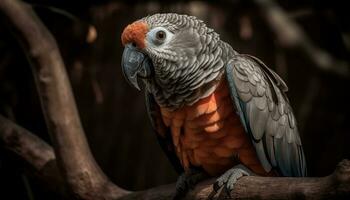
113 113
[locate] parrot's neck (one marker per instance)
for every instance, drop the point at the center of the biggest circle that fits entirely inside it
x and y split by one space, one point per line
185 98
193 86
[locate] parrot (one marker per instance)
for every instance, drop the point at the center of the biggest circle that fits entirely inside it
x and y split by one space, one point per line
215 112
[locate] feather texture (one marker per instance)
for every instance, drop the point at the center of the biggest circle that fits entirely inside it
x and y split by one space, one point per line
187 70
258 94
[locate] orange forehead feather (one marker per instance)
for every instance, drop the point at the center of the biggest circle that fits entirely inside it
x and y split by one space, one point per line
135 33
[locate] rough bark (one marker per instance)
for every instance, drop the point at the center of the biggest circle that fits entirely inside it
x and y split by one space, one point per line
40 155
334 186
75 163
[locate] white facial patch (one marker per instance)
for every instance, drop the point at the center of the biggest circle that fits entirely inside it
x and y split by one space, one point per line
158 37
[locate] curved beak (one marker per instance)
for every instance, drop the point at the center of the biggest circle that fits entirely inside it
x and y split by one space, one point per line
135 64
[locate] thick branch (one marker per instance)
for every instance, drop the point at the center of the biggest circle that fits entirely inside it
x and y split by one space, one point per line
75 160
290 35
336 186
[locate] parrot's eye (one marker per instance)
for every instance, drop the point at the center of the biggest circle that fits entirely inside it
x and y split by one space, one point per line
161 35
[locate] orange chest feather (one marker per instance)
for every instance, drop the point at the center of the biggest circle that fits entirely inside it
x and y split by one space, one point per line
209 134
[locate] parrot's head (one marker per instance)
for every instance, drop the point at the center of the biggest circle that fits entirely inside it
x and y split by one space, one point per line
178 57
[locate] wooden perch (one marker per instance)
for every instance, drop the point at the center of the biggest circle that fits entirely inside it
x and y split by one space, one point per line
39 154
335 186
75 163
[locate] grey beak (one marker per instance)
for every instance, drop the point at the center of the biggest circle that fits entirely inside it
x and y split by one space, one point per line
135 64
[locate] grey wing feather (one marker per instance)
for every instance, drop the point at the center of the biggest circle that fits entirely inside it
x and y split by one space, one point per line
265 112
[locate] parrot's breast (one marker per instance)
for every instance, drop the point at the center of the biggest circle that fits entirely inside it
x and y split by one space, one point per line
209 134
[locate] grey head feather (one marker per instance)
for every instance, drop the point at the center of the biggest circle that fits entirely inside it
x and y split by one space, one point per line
190 65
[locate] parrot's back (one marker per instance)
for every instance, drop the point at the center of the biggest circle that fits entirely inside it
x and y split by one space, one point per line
209 134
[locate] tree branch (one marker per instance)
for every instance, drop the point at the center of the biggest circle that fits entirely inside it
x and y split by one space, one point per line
335 186
28 146
290 35
75 160
37 153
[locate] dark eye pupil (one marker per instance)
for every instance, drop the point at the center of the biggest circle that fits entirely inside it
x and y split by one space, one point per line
161 35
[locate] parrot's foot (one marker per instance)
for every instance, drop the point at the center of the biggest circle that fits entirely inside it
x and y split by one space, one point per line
228 180
187 181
